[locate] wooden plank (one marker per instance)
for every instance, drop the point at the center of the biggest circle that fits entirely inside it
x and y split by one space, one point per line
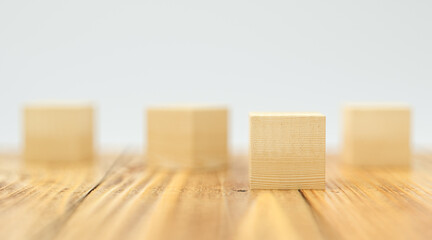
35 198
276 214
375 203
191 204
119 204
135 201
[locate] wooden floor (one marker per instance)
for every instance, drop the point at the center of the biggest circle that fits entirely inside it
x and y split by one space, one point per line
121 198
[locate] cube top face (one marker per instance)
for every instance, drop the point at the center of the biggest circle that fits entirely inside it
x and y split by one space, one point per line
377 135
58 134
58 105
187 137
287 150
285 114
188 107
376 106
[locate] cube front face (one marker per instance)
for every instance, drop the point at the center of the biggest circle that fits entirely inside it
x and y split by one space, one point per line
58 134
377 136
211 138
170 137
287 151
187 137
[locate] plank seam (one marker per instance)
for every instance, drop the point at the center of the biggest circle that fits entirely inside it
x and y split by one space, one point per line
61 221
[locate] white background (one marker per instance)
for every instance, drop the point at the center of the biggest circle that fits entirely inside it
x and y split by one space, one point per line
250 55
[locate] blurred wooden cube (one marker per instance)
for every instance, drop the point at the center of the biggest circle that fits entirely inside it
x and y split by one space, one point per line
377 135
58 133
187 137
287 150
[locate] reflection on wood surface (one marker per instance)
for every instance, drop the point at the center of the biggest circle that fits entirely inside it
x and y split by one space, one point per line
121 198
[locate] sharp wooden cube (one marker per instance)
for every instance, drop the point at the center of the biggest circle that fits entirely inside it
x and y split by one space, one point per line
58 133
377 135
187 137
287 151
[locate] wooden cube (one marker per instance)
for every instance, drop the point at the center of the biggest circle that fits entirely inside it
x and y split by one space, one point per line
58 133
377 135
287 150
187 137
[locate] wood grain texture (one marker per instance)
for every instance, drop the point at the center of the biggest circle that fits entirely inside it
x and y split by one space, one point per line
187 137
36 200
287 150
122 198
58 133
377 135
